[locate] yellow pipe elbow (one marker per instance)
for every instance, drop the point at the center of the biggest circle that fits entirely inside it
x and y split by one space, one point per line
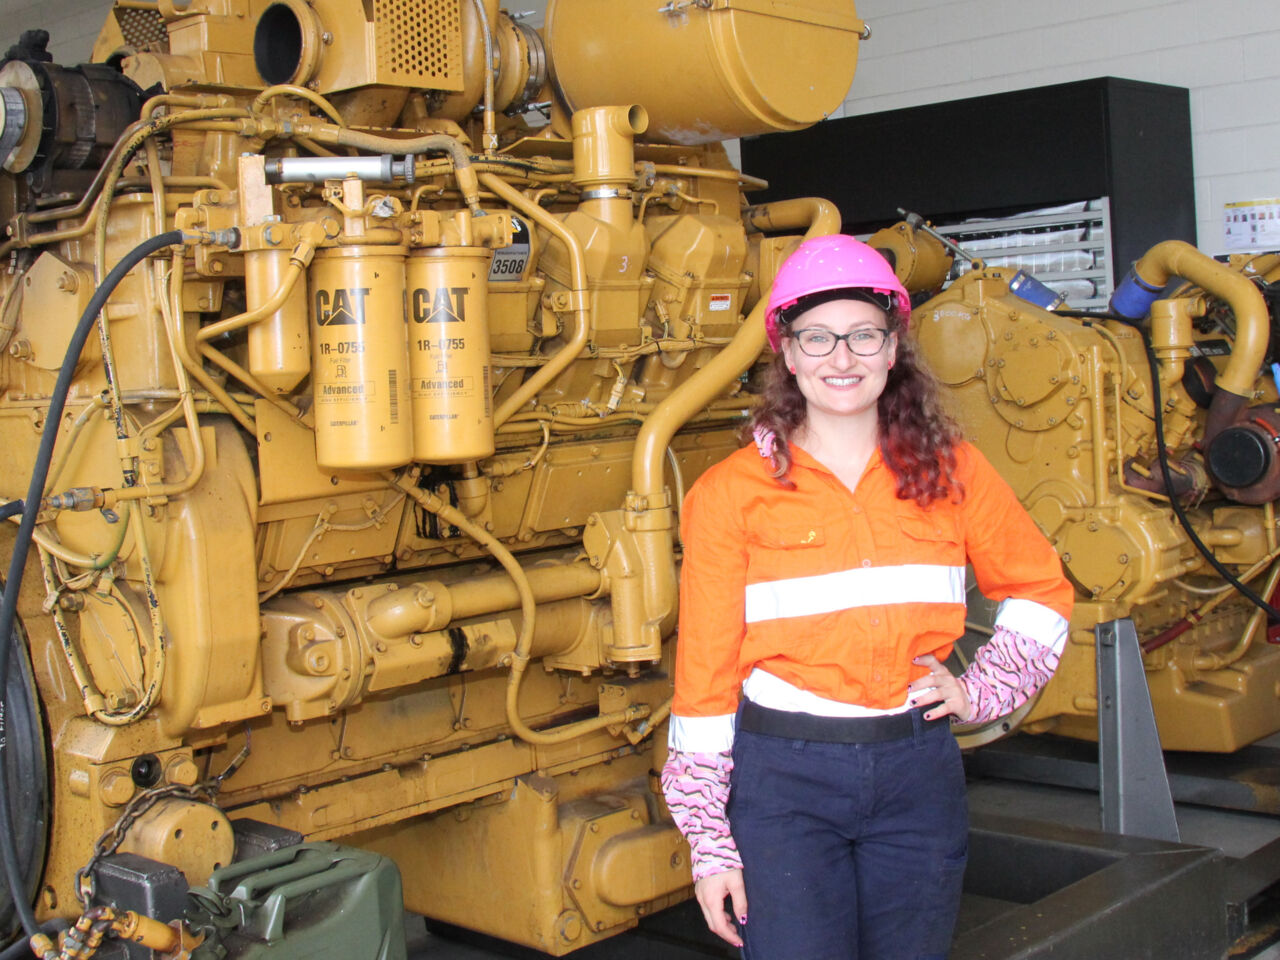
1174 258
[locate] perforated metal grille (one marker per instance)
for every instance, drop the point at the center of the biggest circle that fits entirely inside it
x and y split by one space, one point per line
419 41
143 28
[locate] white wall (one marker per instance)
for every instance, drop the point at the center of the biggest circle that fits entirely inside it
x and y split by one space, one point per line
73 25
1226 52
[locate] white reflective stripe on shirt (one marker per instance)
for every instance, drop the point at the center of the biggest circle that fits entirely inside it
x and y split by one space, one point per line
1035 621
767 690
848 589
701 734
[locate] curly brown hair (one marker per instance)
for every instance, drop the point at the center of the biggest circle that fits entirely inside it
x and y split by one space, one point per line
917 438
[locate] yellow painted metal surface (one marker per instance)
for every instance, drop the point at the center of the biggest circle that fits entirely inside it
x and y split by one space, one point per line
384 465
1063 407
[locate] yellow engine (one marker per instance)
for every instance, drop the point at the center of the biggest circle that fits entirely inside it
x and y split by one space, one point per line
1078 412
361 517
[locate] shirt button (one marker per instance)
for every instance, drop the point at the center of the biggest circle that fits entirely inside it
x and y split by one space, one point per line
878 676
875 621
857 509
866 563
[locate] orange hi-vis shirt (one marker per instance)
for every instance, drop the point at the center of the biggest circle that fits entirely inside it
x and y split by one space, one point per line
836 591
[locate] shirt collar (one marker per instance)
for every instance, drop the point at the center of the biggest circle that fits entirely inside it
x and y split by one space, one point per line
800 457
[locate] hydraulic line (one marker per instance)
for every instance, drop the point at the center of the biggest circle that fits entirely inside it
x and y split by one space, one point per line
20 949
22 542
579 297
1162 455
520 656
120 155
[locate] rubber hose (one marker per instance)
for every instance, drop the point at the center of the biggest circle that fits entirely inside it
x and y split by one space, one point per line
22 542
1162 456
10 509
21 948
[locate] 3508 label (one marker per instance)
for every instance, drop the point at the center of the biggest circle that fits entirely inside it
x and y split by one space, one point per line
510 262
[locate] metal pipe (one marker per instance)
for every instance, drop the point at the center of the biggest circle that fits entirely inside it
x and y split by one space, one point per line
383 168
820 217
1174 258
521 655
1098 432
490 136
178 338
293 90
463 171
113 171
578 293
310 237
492 594
1197 615
1216 661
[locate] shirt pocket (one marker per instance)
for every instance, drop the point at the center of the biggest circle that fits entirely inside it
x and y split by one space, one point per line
929 540
783 552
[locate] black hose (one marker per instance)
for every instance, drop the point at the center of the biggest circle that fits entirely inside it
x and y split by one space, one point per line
1163 456
21 948
10 509
22 542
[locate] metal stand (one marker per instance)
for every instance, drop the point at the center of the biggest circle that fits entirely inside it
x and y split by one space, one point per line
1132 784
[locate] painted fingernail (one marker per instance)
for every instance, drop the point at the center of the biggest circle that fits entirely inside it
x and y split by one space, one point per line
743 919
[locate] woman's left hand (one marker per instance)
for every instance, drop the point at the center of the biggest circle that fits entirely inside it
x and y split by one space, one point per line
939 686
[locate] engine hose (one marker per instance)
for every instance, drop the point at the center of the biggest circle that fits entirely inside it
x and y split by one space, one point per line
11 509
20 948
22 541
520 655
1163 456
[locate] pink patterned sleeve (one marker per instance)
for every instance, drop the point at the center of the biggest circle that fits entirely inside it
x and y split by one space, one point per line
696 786
1005 673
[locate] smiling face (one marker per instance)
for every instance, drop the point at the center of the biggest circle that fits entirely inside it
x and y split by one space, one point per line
841 384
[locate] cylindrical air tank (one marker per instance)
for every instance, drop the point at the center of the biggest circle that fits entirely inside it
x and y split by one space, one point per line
745 66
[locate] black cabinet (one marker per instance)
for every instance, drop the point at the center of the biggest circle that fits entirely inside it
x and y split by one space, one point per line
999 154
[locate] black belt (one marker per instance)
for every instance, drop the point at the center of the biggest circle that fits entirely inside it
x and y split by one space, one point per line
805 726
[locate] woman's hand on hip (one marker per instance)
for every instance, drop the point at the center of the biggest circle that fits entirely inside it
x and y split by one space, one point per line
711 893
939 686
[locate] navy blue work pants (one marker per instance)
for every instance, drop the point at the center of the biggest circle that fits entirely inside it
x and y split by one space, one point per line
850 851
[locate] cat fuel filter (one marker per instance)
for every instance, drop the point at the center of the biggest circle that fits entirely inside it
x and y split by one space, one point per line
449 354
360 358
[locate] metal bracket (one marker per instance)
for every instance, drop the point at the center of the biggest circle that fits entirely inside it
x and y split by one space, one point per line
1133 787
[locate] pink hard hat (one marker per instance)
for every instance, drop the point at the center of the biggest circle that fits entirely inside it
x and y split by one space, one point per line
834 262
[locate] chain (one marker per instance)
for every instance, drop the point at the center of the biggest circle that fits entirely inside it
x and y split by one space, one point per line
113 836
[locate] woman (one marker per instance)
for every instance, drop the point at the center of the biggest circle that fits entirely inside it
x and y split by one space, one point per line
823 582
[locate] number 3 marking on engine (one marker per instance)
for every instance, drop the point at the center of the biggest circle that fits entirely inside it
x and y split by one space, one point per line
626 259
